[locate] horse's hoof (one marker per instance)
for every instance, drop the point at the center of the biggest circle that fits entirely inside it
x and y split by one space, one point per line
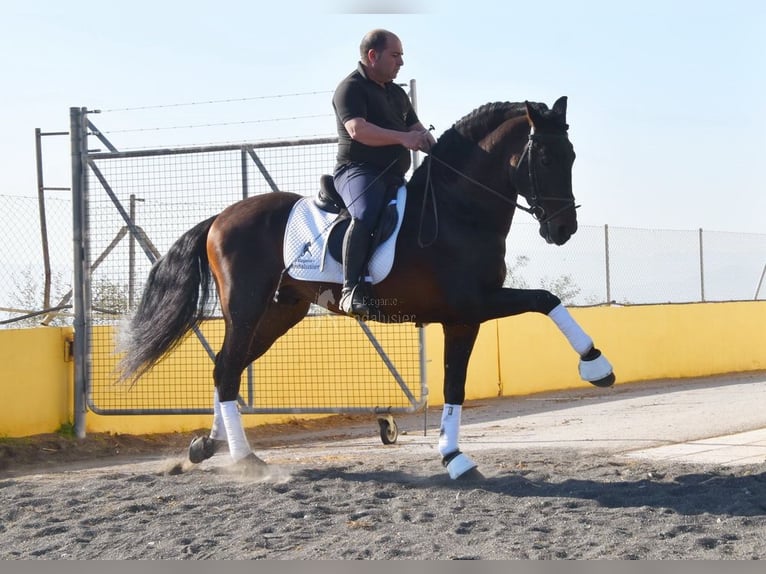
596 369
251 466
458 464
203 447
607 381
471 475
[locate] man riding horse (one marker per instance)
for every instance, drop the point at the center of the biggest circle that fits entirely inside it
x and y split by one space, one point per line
377 128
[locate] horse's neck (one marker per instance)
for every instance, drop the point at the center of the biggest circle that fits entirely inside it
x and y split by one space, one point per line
484 191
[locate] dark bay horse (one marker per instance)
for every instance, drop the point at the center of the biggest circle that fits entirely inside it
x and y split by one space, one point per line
449 266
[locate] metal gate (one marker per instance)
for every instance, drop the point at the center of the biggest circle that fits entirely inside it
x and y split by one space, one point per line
129 207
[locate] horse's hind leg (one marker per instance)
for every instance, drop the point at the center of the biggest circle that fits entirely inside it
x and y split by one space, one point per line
243 344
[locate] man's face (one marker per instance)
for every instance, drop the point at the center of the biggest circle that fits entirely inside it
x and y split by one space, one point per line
386 63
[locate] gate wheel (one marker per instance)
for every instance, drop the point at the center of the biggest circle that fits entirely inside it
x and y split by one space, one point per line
389 432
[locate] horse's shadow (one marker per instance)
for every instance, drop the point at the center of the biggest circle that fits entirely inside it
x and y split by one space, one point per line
688 494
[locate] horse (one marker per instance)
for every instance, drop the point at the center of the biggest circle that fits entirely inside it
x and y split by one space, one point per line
449 267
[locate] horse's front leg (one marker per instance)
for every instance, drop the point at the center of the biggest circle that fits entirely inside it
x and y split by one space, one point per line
458 344
594 366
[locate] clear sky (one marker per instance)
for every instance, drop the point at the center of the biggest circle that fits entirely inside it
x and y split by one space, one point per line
667 99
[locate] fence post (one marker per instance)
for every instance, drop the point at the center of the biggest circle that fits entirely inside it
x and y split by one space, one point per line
81 287
608 278
702 268
132 251
43 219
760 283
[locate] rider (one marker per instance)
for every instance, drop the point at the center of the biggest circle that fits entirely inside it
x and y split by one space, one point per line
377 125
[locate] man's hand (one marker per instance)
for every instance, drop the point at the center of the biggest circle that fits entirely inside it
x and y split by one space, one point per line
417 140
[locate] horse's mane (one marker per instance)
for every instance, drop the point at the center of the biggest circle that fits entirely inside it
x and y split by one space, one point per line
486 118
457 143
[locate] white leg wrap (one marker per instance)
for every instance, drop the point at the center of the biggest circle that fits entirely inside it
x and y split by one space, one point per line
596 369
218 430
578 338
239 447
449 431
459 465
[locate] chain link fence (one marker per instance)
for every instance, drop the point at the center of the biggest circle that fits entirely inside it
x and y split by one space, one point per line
29 287
599 265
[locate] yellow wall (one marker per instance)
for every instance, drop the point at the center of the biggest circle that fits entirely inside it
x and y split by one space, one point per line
642 343
513 356
35 380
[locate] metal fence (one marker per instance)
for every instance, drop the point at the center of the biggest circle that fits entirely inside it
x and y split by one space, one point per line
599 265
35 274
133 205
630 266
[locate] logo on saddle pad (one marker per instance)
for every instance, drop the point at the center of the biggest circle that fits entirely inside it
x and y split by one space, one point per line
314 238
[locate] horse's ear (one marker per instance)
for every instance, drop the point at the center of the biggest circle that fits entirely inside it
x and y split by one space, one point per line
534 115
560 107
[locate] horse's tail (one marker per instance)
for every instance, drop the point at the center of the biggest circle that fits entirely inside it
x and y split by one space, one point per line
172 303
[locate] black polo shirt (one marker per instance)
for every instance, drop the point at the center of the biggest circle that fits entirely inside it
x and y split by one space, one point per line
387 107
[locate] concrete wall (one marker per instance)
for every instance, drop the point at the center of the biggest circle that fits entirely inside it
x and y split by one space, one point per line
35 380
513 356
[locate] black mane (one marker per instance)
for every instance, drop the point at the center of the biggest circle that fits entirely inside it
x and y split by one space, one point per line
486 118
456 144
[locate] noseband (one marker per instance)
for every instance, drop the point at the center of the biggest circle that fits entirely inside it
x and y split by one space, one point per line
533 197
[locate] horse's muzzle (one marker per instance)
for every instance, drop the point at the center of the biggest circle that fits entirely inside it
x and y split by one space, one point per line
557 232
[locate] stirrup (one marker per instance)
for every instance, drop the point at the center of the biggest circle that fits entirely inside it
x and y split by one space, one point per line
350 303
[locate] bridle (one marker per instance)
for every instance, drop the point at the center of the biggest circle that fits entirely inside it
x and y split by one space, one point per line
533 196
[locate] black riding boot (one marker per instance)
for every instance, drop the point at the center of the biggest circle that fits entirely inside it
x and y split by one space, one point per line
356 245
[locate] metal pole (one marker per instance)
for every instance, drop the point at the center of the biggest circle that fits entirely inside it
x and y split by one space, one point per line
43 219
608 278
760 282
79 149
423 375
414 100
245 193
702 268
132 253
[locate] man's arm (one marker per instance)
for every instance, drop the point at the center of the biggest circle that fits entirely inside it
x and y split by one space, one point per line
369 134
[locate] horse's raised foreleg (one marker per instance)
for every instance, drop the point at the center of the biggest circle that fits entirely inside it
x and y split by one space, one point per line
594 367
458 344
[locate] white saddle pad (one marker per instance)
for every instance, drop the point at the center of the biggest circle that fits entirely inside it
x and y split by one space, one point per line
305 251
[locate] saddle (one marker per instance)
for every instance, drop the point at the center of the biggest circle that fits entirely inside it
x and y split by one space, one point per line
328 199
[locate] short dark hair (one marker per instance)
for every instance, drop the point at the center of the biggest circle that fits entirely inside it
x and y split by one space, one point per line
374 40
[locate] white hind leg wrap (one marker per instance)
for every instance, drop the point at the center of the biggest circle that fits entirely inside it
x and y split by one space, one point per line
239 447
218 429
